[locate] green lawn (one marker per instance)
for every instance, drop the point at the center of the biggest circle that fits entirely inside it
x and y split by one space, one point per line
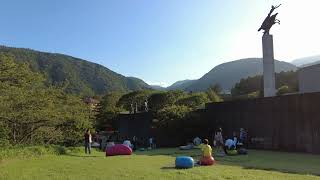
159 164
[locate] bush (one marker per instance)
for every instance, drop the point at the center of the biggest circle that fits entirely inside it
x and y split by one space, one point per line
33 151
283 90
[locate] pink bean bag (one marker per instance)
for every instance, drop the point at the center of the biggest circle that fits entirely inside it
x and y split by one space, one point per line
207 161
118 149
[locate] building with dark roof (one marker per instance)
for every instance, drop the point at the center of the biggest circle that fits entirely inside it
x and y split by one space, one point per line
309 79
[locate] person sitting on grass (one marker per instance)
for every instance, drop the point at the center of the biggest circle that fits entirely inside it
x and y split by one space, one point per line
127 143
197 141
229 145
206 149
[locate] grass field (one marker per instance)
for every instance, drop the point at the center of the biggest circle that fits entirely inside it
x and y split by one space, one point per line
159 164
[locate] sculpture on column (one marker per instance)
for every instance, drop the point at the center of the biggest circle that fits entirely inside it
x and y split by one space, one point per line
269 89
270 20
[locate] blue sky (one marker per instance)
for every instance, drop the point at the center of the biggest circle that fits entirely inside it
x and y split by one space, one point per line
159 41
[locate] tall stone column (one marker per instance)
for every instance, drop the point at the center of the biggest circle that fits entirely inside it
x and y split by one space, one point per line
268 66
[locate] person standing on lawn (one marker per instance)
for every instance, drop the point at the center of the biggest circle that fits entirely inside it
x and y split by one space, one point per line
219 142
243 137
87 142
150 142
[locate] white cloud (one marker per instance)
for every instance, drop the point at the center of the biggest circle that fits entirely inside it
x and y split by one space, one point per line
162 84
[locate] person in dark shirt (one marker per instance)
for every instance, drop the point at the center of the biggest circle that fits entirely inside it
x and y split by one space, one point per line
87 142
243 137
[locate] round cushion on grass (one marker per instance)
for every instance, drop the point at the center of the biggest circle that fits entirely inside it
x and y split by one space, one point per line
207 161
232 152
118 149
187 147
184 162
243 151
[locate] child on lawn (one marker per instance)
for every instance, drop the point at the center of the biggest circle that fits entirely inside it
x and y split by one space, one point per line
206 149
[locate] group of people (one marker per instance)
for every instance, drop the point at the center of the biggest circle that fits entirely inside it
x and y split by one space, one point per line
143 142
232 143
134 143
134 107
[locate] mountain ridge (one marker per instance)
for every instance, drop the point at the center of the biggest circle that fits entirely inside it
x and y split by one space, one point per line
229 73
306 61
81 76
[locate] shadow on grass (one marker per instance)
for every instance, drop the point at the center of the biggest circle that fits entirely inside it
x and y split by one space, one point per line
83 156
174 168
174 152
279 170
255 160
168 168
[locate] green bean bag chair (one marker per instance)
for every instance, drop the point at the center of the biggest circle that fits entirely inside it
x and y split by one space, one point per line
232 152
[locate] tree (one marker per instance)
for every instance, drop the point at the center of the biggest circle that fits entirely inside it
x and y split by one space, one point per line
194 101
161 100
248 85
132 98
34 113
283 90
107 110
170 114
255 84
216 88
213 96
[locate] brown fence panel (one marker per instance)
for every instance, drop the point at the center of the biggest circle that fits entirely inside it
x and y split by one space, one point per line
289 123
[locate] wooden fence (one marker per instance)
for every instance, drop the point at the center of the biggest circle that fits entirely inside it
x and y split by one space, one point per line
288 123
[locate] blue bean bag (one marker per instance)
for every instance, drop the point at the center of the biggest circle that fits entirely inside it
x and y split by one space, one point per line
184 162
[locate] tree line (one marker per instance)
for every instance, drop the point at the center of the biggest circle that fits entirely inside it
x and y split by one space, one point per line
33 112
166 106
252 87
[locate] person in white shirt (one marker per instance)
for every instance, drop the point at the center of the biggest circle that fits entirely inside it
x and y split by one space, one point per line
87 141
197 141
127 143
229 145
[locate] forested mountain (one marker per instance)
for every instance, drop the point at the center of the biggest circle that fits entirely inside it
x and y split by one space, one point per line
230 73
180 84
76 75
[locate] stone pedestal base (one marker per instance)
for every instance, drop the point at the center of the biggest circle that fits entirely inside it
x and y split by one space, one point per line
268 66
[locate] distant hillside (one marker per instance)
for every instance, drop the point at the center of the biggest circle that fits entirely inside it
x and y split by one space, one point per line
228 74
180 84
307 61
78 75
